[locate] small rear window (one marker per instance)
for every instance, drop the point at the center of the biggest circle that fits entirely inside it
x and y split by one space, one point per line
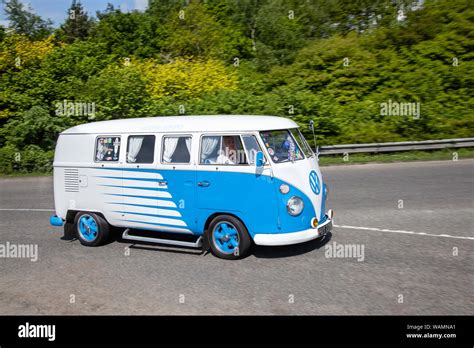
107 149
141 149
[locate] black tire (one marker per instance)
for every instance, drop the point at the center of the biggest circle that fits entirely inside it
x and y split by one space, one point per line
243 238
91 239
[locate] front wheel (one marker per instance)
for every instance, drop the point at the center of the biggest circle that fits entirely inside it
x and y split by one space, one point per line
92 229
228 238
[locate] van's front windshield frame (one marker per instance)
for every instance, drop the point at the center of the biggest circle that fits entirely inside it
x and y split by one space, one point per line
308 151
299 154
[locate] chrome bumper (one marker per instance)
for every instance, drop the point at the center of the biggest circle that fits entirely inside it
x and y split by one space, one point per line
294 237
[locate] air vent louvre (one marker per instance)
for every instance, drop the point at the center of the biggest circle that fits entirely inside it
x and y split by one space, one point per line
71 180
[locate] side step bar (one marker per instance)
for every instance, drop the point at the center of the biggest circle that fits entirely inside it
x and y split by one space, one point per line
196 244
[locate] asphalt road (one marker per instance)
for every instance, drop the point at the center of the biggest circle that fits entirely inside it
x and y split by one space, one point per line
382 208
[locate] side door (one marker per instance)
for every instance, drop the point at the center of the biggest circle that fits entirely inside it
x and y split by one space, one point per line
177 168
141 192
229 182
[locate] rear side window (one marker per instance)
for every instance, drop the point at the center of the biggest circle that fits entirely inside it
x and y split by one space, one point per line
141 149
107 149
176 149
222 149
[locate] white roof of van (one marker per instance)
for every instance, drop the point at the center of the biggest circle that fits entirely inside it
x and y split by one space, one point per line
182 124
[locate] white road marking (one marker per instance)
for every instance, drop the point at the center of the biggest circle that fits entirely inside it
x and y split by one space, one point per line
24 209
401 231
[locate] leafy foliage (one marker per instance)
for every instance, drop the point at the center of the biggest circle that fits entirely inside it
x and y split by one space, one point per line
334 62
184 78
77 26
25 22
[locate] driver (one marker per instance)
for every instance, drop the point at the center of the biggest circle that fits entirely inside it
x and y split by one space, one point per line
228 154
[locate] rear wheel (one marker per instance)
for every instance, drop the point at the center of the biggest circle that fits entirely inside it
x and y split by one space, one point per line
228 238
92 229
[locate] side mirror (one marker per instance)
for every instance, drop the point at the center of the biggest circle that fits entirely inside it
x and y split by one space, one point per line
259 160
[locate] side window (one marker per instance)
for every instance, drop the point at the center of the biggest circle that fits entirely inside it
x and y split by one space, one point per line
107 149
176 149
141 149
252 147
222 149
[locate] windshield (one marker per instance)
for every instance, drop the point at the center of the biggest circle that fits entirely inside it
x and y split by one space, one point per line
303 143
281 146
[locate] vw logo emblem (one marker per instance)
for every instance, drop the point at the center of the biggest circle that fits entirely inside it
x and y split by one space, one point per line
314 182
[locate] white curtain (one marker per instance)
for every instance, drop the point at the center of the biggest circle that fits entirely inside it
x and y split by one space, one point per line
134 146
209 144
188 145
170 146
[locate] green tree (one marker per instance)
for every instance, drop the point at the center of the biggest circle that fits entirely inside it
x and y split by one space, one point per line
2 33
25 22
118 91
331 61
279 32
125 34
195 32
163 10
34 127
77 26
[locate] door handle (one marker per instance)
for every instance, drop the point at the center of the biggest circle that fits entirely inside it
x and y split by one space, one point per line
204 183
162 183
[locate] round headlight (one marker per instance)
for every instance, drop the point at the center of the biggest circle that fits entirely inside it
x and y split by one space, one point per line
295 206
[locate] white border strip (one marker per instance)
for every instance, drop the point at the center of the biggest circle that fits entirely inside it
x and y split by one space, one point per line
401 231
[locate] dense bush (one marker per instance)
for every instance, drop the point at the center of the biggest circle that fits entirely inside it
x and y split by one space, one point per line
333 62
31 159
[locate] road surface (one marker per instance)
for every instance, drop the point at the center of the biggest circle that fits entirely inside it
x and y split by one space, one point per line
413 221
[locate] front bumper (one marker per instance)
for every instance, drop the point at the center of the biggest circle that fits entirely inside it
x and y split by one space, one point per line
294 237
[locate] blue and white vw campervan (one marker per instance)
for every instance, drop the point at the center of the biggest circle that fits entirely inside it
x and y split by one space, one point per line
227 181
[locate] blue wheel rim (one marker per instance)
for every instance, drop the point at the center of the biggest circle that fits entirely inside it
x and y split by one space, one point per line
88 228
225 237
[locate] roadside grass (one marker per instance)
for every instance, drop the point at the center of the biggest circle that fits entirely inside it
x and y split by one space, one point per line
355 158
405 156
